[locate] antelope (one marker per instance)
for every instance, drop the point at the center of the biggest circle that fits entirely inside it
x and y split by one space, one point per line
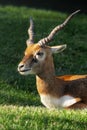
68 91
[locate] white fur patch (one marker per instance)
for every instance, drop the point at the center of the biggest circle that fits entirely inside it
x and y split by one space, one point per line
41 58
52 102
27 72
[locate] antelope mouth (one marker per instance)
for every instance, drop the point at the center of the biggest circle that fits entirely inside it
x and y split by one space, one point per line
25 70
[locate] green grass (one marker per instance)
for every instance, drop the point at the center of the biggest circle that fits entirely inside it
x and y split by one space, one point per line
20 107
37 118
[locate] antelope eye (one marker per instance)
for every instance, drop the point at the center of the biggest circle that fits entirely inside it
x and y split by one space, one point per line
40 53
34 60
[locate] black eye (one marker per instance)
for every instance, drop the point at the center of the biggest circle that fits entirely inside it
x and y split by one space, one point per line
40 53
34 60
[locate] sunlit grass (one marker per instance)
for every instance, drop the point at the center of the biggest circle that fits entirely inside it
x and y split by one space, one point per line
38 118
20 107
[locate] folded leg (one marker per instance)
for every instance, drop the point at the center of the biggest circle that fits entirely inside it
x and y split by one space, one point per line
78 105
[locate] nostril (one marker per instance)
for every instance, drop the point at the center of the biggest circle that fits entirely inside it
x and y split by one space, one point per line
20 66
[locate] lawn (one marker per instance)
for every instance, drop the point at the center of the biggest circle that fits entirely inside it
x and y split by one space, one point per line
20 106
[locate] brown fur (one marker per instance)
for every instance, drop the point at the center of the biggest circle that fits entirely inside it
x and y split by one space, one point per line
72 77
38 60
48 83
57 88
78 105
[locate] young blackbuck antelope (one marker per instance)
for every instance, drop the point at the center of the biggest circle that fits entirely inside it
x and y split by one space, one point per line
68 91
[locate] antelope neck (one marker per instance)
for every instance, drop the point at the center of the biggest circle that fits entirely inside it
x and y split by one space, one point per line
46 80
44 83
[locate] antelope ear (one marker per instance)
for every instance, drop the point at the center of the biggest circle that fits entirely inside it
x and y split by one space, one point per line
57 49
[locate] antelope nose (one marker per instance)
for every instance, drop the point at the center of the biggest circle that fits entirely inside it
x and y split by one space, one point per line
20 66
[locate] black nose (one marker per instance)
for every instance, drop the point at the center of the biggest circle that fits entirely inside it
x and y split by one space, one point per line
20 66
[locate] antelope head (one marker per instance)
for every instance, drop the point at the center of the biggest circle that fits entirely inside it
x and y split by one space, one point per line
38 55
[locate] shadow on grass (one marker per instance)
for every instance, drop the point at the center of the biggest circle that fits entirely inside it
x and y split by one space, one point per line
9 95
18 99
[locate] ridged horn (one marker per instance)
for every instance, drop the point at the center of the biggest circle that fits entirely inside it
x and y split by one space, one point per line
49 38
31 33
